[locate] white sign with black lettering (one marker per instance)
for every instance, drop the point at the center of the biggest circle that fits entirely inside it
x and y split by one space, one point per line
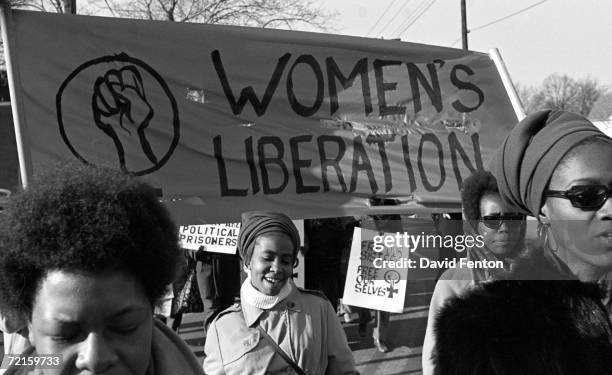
217 238
370 282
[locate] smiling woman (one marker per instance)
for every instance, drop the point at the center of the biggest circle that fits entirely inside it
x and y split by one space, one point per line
277 328
85 254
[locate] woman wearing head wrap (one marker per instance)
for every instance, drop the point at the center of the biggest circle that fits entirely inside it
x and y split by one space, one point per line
554 165
501 234
277 328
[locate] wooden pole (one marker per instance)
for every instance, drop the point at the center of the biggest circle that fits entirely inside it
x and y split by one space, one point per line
464 30
25 162
507 82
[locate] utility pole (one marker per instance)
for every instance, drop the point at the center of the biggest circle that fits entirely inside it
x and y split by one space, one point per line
464 30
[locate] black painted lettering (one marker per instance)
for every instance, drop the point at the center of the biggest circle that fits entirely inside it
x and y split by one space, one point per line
248 146
298 108
462 85
385 164
432 89
408 163
333 73
361 162
225 190
382 86
331 162
430 137
248 93
277 160
455 147
298 164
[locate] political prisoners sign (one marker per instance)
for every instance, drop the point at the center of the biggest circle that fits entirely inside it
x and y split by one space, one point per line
228 119
216 238
370 285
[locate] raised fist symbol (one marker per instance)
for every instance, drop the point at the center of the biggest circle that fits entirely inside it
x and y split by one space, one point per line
120 109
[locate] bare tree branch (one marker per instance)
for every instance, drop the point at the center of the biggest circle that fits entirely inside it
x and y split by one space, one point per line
562 92
259 13
110 8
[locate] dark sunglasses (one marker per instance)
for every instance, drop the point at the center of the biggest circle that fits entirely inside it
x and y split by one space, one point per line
585 197
496 221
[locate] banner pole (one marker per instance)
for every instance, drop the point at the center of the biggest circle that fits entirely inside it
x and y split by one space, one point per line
508 85
25 163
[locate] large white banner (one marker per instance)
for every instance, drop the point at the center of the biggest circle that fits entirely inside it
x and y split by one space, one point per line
229 119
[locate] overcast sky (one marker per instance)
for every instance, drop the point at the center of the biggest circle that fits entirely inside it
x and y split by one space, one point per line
571 37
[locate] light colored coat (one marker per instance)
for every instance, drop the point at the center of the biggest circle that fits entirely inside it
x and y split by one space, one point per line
304 325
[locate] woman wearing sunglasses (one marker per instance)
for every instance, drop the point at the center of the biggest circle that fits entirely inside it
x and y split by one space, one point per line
553 317
556 166
502 234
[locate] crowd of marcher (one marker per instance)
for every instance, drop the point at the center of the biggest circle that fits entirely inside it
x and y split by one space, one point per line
86 255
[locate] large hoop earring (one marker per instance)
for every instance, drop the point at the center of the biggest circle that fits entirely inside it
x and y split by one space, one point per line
544 235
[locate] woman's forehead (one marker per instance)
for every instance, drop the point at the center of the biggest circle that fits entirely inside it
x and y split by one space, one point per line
490 200
273 236
493 203
275 242
83 290
586 163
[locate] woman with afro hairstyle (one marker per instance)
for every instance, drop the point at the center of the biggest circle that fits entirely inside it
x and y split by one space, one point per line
85 253
499 234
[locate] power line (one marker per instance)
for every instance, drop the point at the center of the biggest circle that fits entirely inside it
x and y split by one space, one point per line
417 17
418 8
381 16
399 11
422 11
502 19
508 16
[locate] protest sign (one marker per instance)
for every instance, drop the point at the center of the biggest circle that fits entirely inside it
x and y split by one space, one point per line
216 238
369 285
228 119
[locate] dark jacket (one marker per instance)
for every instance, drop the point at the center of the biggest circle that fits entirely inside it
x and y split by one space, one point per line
514 327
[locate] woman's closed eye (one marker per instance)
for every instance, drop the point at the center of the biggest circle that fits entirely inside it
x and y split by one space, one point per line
124 329
126 322
283 260
66 337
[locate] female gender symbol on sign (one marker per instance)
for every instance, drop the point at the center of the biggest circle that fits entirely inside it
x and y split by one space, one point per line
392 277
